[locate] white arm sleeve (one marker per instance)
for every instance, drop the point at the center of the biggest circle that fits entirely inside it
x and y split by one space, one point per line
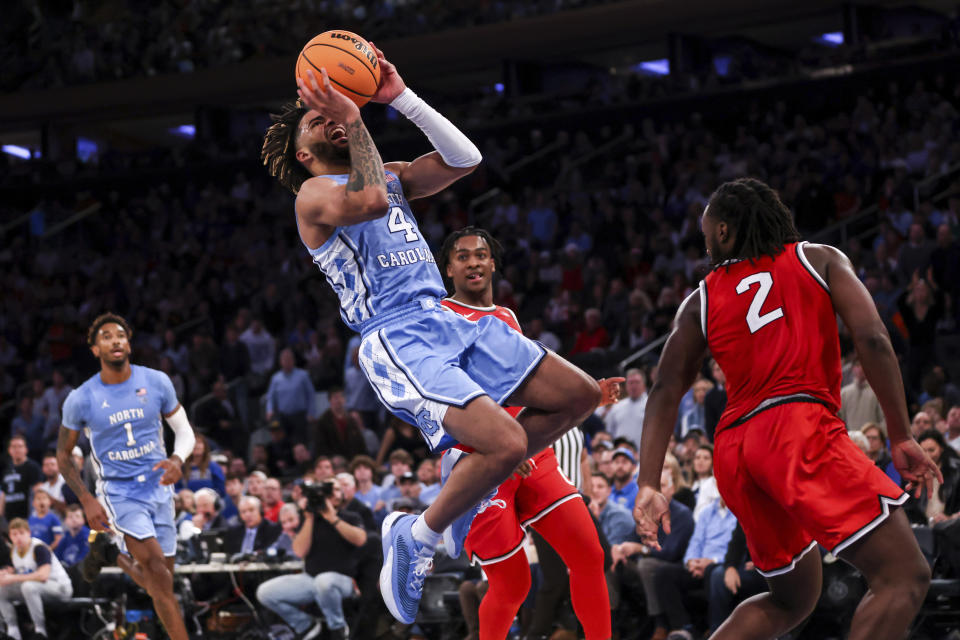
183 434
453 146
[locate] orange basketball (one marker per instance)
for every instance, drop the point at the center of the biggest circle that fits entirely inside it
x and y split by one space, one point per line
349 60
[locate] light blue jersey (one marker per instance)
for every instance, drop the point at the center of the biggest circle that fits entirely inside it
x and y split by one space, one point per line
420 357
125 427
379 265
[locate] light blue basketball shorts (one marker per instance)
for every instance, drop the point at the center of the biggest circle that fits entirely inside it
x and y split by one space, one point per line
141 510
428 358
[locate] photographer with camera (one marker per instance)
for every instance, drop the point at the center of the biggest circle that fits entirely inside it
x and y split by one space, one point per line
329 542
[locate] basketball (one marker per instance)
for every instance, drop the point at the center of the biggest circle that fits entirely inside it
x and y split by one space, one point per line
350 62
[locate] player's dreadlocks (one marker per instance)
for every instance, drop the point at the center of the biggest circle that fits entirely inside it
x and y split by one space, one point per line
105 318
763 224
280 147
443 259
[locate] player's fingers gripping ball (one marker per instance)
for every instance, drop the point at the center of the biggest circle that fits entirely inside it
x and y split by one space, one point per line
349 60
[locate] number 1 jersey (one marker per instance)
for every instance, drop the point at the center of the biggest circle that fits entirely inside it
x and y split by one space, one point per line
771 326
123 421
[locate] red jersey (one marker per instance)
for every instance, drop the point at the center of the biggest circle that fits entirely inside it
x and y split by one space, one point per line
475 313
771 326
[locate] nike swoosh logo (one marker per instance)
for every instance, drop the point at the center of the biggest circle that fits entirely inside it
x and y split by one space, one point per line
469 316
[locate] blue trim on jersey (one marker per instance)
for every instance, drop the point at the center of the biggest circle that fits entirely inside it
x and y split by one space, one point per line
348 241
391 353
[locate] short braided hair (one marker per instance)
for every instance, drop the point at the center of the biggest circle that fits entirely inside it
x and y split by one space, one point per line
762 222
279 151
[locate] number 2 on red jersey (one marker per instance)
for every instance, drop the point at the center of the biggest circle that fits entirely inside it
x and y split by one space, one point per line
765 281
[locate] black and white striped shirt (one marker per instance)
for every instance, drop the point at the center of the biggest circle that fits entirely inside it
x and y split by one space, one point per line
569 448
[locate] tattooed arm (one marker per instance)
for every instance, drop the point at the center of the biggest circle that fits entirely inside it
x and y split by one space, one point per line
96 516
324 202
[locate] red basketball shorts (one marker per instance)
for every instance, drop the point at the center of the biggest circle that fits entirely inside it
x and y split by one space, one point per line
498 530
793 478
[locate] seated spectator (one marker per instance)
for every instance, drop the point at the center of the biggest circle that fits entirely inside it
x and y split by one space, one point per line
218 419
952 434
401 462
200 471
44 524
302 461
704 485
184 505
624 478
858 402
410 489
696 417
364 470
291 398
625 418
255 484
637 565
329 542
53 483
74 545
593 336
209 506
348 485
253 533
234 489
30 425
279 451
402 436
20 475
681 491
272 499
944 503
738 581
339 431
289 524
922 421
428 473
32 574
705 554
616 521
323 469
877 445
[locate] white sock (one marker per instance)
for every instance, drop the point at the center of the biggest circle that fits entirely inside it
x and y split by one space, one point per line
423 534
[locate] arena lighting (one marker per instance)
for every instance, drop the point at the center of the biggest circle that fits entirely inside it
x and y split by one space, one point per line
498 87
659 67
86 148
832 39
184 131
14 150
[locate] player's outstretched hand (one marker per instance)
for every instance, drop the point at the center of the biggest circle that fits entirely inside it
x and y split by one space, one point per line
171 470
915 466
651 510
318 94
610 390
391 84
525 468
96 514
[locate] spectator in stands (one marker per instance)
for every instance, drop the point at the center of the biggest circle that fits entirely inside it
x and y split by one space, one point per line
593 336
921 307
323 468
291 398
302 461
272 499
944 503
217 418
44 524
858 402
695 417
73 546
253 533
359 396
204 363
624 477
53 482
400 462
637 565
952 434
625 418
402 436
704 485
705 554
428 473
201 471
261 347
30 425
616 521
53 397
915 252
329 543
20 475
31 573
234 489
716 400
738 580
364 470
289 524
255 484
337 430
410 489
234 356
921 422
348 485
209 505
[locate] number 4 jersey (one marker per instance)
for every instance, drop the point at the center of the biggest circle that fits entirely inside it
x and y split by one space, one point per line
381 264
771 326
123 422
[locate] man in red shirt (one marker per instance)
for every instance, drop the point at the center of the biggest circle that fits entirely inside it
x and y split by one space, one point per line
538 494
783 461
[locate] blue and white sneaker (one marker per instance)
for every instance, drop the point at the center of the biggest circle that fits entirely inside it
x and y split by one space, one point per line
406 564
455 535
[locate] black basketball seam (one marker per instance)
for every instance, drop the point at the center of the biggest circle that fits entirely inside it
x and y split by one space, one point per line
361 60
